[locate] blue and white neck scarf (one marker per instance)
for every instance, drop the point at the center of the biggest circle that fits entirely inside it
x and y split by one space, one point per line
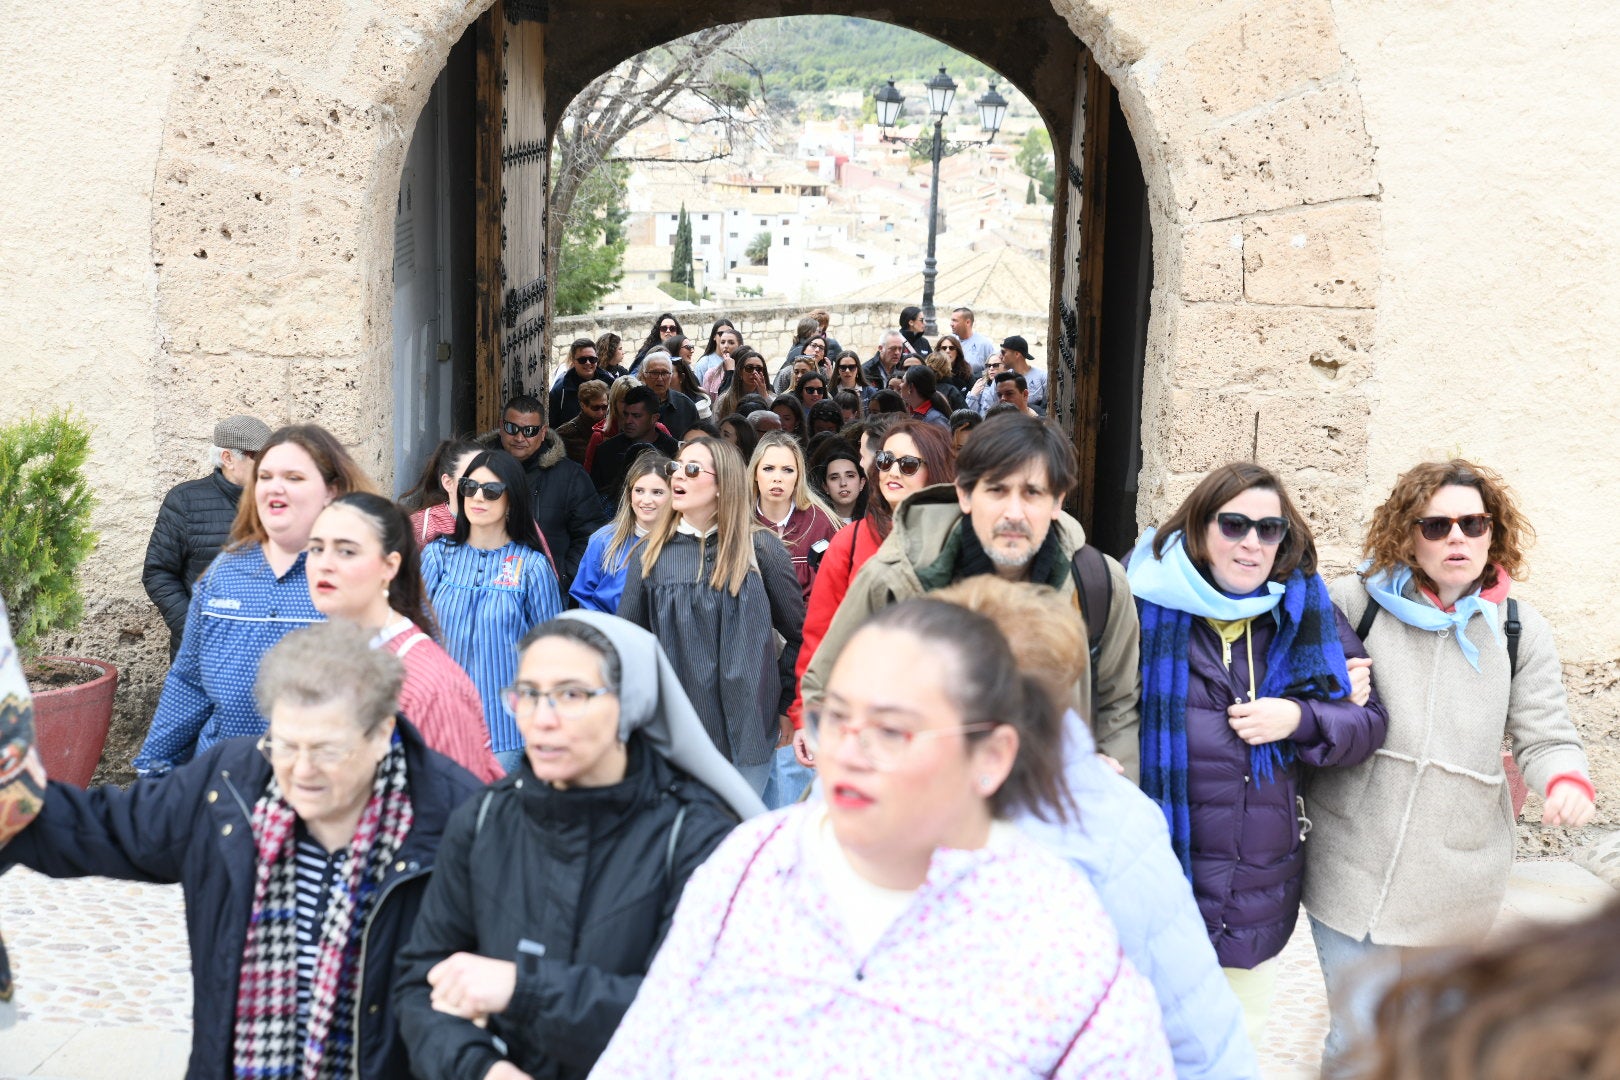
1172 581
1388 592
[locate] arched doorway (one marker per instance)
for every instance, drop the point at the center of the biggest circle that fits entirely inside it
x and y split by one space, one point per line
511 75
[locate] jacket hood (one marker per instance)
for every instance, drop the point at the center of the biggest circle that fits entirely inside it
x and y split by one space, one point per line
551 449
653 704
924 522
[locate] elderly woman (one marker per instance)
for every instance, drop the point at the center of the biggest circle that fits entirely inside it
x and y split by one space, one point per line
303 856
1245 683
253 594
536 933
1413 847
877 926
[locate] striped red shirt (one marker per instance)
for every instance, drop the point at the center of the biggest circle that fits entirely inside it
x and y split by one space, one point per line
440 699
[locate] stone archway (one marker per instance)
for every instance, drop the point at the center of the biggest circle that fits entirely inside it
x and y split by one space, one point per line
286 130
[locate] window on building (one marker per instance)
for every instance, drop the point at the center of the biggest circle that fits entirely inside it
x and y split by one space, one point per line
732 236
705 217
787 241
784 221
705 240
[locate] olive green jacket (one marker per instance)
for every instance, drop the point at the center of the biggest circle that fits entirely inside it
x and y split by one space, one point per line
912 561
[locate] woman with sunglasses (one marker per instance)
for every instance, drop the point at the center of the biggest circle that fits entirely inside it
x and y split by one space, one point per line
365 568
951 371
810 389
1412 849
490 583
666 325
302 856
848 375
981 397
251 595
911 328
600 581
907 456
711 368
1245 683
534 935
719 591
858 927
747 378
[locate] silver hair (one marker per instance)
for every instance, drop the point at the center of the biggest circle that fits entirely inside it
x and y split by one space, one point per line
215 456
891 334
657 354
331 662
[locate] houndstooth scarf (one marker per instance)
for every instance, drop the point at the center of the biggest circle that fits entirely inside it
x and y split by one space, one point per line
266 1037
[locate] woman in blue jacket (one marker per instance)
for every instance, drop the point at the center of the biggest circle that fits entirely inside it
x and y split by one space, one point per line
600 581
339 792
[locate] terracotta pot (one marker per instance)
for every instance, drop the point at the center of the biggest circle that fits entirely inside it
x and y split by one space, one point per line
72 722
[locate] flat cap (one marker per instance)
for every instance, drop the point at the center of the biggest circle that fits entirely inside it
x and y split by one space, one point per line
241 433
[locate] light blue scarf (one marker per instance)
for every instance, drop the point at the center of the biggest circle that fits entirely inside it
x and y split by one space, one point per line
1172 581
1387 590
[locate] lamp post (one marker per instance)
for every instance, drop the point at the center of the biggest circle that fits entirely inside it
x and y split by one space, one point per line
941 94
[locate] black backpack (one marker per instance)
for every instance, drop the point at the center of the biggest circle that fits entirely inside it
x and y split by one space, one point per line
1094 584
1511 628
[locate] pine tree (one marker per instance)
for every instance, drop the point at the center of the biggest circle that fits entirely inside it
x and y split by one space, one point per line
680 265
1029 194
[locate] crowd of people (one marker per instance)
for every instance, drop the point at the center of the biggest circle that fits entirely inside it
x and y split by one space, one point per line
705 720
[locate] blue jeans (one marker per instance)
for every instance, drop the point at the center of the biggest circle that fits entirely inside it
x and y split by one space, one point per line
788 780
1357 975
509 760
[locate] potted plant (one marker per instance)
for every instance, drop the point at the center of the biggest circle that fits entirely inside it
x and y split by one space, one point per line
45 535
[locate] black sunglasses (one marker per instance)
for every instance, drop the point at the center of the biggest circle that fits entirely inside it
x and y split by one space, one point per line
528 431
668 329
1269 530
754 368
886 460
819 391
1473 526
468 487
584 359
690 468
849 367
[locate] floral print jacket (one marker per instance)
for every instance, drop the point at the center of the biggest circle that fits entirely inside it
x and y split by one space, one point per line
1004 965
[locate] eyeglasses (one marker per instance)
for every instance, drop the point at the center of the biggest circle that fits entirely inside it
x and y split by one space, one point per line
690 468
655 373
469 487
1269 530
528 431
1438 528
566 702
277 752
909 465
883 746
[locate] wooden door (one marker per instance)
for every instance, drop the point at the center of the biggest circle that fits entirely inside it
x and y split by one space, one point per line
511 188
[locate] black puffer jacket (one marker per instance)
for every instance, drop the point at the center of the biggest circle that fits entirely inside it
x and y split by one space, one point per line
194 827
589 875
192 525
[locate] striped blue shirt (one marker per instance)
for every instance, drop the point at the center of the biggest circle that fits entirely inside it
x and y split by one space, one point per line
239 609
485 602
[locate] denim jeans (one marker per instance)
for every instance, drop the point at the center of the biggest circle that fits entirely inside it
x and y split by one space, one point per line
1357 974
758 776
788 780
509 760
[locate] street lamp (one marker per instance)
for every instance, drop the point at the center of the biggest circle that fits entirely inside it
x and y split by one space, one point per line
941 94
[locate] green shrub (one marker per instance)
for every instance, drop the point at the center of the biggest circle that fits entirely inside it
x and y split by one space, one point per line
45 534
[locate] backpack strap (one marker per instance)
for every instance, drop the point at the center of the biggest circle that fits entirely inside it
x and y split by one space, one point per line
1364 627
674 837
1512 628
483 809
1094 583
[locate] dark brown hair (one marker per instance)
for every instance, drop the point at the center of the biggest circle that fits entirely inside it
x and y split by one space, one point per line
933 446
1004 444
1297 550
1542 1003
989 686
1391 536
406 593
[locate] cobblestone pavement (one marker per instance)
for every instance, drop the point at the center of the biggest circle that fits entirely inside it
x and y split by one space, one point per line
103 984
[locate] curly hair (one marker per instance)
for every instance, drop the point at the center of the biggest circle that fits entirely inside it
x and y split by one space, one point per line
1542 1004
1391 537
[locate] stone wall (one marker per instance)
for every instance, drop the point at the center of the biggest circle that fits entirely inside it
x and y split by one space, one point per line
769 328
1365 253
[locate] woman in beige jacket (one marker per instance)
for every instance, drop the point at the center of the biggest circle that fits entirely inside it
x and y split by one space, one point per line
1414 847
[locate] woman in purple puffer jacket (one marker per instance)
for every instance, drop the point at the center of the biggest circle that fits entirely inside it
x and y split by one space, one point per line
1249 674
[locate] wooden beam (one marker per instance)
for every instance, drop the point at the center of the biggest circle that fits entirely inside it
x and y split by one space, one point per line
487 114
1088 304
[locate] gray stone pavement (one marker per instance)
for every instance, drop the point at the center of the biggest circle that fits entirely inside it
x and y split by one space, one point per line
103 986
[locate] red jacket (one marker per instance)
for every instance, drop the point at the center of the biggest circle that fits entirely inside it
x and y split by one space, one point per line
845 555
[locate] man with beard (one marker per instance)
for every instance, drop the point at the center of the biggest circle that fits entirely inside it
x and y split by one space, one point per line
1004 516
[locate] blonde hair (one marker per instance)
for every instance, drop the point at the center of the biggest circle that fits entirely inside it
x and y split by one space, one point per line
615 414
804 496
733 520
1042 628
624 538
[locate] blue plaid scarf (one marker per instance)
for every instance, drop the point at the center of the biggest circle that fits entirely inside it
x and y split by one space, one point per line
1305 659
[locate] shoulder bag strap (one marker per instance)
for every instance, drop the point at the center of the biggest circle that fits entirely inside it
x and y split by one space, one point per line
1364 627
1512 628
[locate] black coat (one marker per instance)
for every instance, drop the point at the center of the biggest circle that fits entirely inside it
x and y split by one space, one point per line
677 413
565 395
194 827
192 525
587 874
565 505
613 460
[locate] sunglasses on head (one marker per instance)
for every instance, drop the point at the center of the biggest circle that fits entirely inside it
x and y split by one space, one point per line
885 460
528 431
468 487
1438 528
1269 530
690 468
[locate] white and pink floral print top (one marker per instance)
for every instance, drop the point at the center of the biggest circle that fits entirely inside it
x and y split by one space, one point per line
1003 965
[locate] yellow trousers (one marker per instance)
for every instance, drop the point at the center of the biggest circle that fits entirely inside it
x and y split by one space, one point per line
1255 988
